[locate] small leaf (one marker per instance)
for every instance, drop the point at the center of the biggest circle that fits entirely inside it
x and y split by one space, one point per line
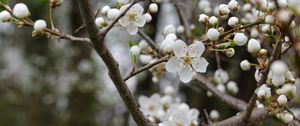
133 58
118 5
132 43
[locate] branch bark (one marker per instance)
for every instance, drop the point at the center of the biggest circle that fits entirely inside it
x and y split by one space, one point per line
113 67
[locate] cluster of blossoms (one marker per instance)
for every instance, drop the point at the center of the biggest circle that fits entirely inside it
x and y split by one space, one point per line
133 18
221 79
167 111
278 91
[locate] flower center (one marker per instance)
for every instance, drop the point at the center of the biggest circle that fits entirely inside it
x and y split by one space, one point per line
132 17
151 107
187 60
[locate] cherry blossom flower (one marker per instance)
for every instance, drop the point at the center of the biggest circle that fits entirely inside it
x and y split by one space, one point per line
133 18
150 106
187 60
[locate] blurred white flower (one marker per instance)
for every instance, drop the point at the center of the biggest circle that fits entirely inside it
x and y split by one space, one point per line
5 16
221 76
150 106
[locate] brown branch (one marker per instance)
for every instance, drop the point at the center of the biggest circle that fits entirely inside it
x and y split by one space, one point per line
151 43
275 55
112 65
257 116
227 99
146 67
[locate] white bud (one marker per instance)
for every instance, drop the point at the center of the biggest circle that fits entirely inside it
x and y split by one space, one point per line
213 34
253 46
245 65
261 94
287 118
193 26
5 16
282 3
39 25
184 107
153 8
21 10
223 9
257 75
155 79
113 13
229 52
269 19
284 16
203 18
169 29
240 39
143 44
233 5
123 1
293 24
166 45
214 115
278 67
247 7
171 37
136 50
180 29
99 22
232 87
145 59
282 100
261 4
213 20
169 90
148 17
221 88
233 21
221 76
105 9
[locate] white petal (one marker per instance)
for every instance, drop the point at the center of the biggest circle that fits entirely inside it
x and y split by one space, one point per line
199 64
141 21
142 100
278 80
132 29
179 48
196 49
137 8
124 21
173 65
186 74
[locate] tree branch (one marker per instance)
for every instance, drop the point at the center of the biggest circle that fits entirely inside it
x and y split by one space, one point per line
146 67
227 99
112 65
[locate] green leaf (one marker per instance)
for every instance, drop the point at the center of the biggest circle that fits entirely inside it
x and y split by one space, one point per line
3 2
132 43
118 5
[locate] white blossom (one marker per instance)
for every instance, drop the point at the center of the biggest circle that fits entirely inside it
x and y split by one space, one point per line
180 29
153 8
247 7
263 91
221 88
187 60
213 20
278 67
5 16
213 34
240 39
39 25
233 21
99 21
136 50
232 87
214 115
282 3
221 76
133 18
148 17
169 90
105 9
287 118
224 9
269 19
245 65
150 106
282 100
143 44
145 59
171 36
113 13
203 18
253 46
167 44
233 5
169 29
20 10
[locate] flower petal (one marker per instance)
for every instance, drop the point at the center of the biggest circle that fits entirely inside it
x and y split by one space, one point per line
173 65
199 64
132 30
124 21
179 48
196 49
137 8
186 74
140 21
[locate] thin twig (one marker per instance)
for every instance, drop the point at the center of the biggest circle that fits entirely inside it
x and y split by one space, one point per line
151 43
144 68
